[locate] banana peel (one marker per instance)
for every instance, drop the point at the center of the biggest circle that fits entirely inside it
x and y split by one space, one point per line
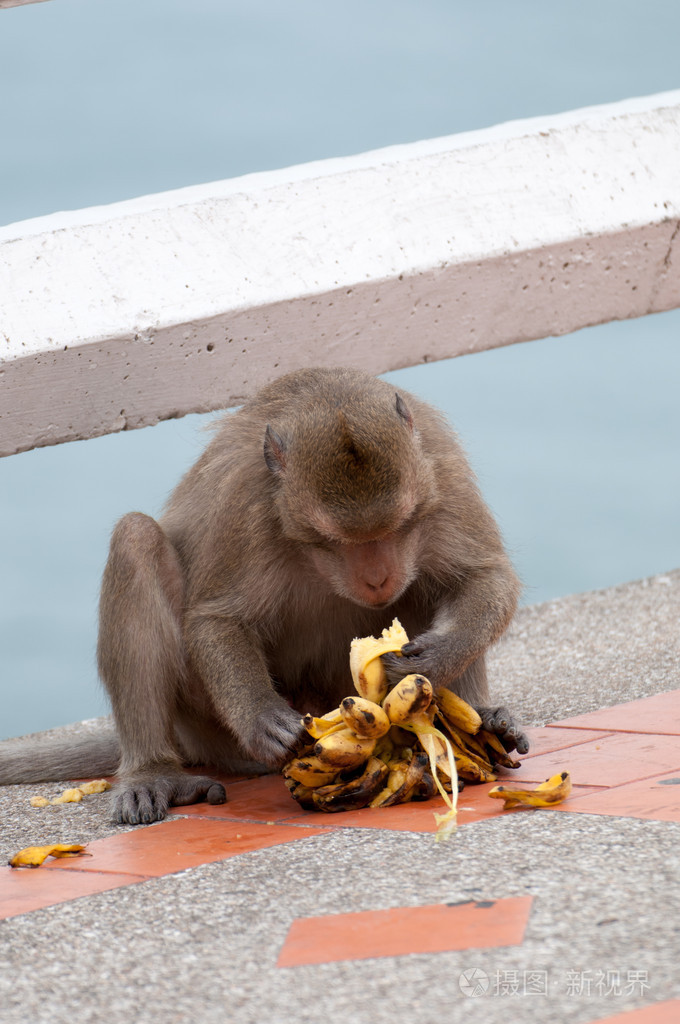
73 795
553 791
34 856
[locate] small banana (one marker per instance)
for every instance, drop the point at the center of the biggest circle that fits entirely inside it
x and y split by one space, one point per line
461 714
497 751
473 770
343 749
553 791
352 795
410 696
303 794
310 771
365 718
402 781
369 676
318 727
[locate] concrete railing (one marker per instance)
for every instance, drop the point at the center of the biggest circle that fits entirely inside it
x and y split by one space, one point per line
120 316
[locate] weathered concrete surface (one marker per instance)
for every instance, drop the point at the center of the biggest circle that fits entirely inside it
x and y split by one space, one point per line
117 317
202 945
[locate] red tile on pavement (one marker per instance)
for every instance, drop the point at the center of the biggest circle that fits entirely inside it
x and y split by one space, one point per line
263 799
656 1013
657 714
655 799
25 889
551 738
175 845
616 759
403 930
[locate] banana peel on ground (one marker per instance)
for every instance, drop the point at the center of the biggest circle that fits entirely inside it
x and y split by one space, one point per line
74 795
34 856
553 791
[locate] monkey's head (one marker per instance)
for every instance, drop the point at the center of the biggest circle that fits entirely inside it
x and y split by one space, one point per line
352 488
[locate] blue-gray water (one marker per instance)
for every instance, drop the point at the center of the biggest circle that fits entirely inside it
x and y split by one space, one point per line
575 440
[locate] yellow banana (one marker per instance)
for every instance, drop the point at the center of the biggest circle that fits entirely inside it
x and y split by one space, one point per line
310 771
303 794
318 727
553 791
410 696
461 714
473 771
369 676
497 751
401 782
465 745
365 718
343 749
349 796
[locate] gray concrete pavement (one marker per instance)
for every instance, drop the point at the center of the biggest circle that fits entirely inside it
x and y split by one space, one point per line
202 945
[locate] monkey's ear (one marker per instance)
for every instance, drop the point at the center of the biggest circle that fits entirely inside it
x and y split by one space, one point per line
274 450
404 411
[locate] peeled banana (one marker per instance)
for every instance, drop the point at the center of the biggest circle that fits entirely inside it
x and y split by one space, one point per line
368 674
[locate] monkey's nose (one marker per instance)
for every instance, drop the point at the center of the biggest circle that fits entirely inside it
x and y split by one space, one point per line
378 585
379 592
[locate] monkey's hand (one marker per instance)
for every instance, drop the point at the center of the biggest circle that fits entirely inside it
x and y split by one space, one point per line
273 734
145 797
432 655
507 728
435 656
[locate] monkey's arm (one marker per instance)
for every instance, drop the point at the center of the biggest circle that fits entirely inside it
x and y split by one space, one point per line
230 663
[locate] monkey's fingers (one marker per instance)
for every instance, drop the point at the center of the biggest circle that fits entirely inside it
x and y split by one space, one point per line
138 805
195 789
276 734
501 722
423 656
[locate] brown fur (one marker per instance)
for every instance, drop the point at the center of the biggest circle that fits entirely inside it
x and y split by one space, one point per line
321 510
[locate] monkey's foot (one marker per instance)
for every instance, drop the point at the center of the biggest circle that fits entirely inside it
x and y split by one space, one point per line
509 731
141 799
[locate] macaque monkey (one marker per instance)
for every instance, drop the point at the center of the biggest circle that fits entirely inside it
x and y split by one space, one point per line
328 504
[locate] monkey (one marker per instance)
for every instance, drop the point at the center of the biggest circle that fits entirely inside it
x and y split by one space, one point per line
328 504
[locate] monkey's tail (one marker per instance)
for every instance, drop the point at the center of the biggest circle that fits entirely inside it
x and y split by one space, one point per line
53 758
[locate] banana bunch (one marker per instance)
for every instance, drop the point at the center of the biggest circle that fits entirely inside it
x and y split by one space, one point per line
383 746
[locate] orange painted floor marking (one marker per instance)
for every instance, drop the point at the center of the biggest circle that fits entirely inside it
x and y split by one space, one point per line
400 931
614 760
655 799
263 799
659 714
26 889
550 738
172 846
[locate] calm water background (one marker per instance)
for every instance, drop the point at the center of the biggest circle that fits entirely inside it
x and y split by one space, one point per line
575 440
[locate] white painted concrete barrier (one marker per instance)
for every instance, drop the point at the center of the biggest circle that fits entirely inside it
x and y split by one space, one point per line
18 3
117 317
